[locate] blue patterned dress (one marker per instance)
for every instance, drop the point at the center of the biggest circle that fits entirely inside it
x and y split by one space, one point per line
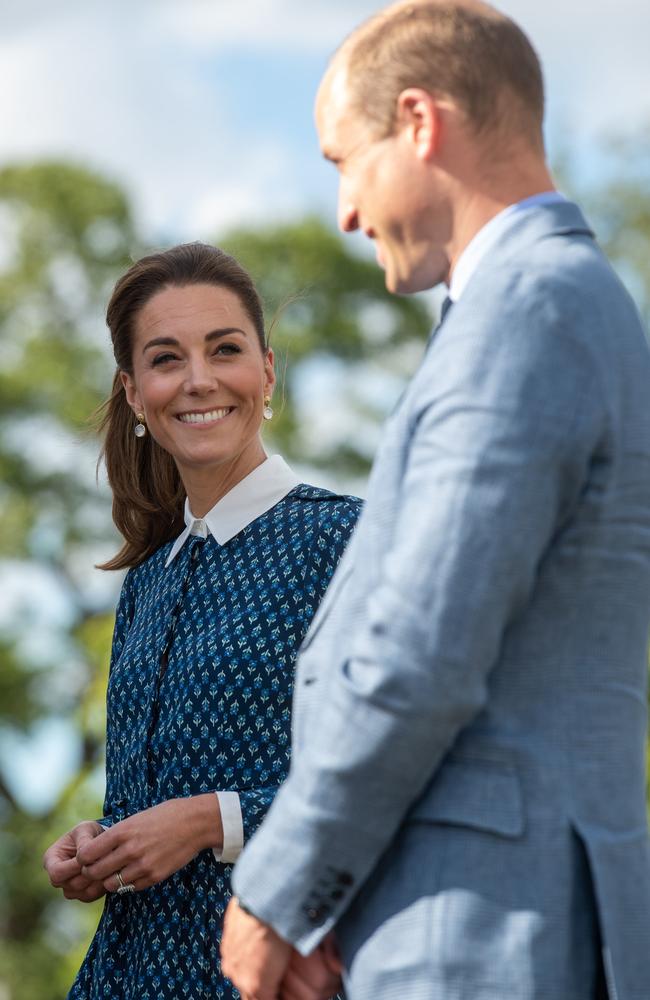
199 698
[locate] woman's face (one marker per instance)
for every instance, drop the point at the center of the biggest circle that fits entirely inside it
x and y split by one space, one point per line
200 378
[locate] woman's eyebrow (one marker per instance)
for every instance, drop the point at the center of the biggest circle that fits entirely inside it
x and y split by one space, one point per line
173 342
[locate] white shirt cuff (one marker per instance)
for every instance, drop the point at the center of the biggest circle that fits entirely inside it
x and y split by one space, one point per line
233 828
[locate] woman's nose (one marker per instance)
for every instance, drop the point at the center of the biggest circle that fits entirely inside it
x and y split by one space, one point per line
200 377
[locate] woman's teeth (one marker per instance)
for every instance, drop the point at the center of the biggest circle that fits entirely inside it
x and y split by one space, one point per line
204 418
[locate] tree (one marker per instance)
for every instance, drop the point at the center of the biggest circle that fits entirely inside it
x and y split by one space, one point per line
618 206
68 234
348 346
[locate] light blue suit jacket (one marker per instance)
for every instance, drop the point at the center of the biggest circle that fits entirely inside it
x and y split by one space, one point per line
466 801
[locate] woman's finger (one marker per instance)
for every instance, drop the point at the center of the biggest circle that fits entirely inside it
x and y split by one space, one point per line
109 864
77 884
92 892
129 875
61 871
92 847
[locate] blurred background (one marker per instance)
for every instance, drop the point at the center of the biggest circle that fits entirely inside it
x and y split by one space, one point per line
131 125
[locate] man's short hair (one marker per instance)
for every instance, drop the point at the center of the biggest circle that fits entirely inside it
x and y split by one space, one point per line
466 51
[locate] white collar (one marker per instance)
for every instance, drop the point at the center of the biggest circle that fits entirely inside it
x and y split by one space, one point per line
491 233
256 493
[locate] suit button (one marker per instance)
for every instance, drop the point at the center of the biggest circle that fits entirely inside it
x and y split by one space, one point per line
318 913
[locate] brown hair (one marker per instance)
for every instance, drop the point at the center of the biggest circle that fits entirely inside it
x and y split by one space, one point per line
148 495
467 51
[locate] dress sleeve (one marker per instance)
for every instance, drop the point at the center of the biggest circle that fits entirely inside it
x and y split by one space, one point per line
123 619
326 551
254 804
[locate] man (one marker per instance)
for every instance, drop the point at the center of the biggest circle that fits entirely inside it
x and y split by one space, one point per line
466 803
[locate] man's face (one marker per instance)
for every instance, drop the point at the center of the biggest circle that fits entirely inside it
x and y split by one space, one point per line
385 189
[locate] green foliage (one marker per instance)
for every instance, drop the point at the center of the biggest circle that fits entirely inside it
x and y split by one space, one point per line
66 234
347 348
329 310
619 209
17 704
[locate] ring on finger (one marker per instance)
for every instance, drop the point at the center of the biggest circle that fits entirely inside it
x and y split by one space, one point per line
123 886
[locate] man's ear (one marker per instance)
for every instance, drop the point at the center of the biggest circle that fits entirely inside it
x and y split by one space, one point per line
131 392
420 114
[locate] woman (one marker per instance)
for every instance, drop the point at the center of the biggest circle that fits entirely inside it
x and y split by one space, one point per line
229 555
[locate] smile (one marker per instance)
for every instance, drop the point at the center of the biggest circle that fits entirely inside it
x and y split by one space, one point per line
205 418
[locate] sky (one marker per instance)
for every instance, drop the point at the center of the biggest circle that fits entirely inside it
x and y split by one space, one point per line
202 109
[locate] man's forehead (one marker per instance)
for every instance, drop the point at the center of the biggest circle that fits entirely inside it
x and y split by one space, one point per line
335 82
332 106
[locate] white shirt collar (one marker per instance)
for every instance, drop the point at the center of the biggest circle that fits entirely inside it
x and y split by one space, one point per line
484 240
256 493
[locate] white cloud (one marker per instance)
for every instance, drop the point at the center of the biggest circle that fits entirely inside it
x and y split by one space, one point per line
253 195
126 98
91 91
595 61
128 87
285 24
595 54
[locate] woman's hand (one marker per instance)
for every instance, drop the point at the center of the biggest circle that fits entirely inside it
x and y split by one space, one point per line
150 845
64 870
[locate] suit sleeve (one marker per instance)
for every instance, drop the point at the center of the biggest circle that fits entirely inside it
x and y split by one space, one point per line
503 424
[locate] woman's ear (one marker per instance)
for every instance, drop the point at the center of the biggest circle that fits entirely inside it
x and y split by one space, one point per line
269 373
130 392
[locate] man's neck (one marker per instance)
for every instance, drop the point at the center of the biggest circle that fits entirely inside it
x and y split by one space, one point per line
475 206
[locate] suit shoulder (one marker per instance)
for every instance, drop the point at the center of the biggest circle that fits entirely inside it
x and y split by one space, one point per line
559 283
554 305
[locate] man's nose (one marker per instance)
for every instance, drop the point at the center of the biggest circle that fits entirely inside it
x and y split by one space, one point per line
348 216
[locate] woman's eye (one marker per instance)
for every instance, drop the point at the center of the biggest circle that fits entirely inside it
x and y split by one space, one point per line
161 359
228 349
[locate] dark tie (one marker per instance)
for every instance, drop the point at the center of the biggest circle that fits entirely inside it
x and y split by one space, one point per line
444 309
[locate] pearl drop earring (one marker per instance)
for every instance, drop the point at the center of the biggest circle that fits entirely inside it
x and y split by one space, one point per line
268 409
140 430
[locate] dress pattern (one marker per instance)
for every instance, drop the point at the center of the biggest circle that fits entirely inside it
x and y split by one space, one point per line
199 699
